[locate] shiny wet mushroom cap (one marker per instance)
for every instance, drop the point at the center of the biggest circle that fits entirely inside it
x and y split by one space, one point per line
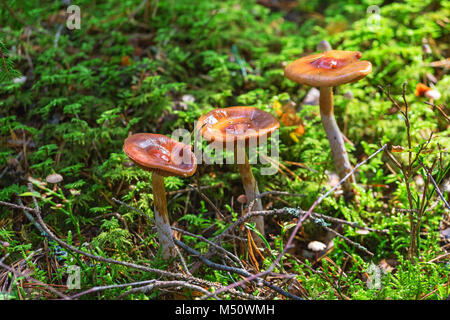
54 178
331 68
161 154
236 123
164 157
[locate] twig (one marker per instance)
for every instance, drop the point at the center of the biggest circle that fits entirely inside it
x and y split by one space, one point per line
434 291
114 286
406 170
280 193
248 215
299 223
290 211
446 255
107 260
236 259
351 224
294 212
183 262
30 217
139 8
357 245
129 207
299 213
164 273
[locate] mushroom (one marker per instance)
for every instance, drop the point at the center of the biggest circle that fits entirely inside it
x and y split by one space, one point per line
326 70
242 199
164 157
423 90
237 126
316 246
324 45
54 179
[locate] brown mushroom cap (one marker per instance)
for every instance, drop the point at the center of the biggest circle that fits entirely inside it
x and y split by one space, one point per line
236 123
328 69
160 154
316 246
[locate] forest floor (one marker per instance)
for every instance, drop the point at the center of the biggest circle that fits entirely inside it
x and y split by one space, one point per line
73 88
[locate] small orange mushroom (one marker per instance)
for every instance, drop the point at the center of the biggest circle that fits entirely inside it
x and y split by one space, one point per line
326 70
164 157
240 124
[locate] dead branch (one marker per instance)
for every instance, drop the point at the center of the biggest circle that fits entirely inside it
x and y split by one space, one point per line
31 279
112 261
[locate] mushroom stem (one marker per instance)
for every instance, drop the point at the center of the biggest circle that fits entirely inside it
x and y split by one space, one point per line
335 138
252 192
162 217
